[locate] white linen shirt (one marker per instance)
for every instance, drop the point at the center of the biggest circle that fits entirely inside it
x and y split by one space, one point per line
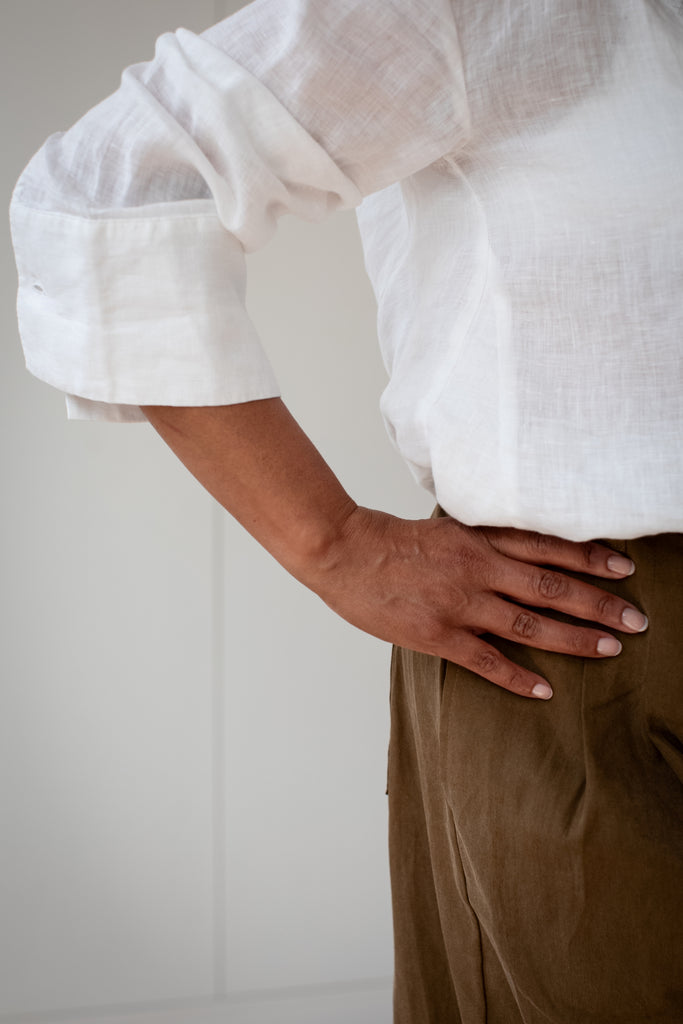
519 170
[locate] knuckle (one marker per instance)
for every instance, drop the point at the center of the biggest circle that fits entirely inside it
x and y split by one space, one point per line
552 585
471 563
605 606
518 682
526 625
588 551
578 642
541 543
486 662
437 632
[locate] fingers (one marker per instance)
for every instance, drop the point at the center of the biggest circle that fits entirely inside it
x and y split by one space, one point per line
526 626
480 657
543 549
544 588
511 622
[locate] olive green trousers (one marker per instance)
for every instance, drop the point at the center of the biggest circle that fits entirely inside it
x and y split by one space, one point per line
536 847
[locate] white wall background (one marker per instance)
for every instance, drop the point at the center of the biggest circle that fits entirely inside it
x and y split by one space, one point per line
192 807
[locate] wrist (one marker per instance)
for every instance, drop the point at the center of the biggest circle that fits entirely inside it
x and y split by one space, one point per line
313 547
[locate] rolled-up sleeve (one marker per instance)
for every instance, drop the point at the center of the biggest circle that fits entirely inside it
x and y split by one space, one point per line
130 230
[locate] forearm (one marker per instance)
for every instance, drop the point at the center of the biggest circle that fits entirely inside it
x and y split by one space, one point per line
431 585
255 459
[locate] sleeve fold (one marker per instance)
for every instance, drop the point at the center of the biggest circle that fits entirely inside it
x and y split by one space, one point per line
130 229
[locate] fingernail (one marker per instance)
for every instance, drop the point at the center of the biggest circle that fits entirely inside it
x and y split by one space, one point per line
621 565
608 645
542 690
634 619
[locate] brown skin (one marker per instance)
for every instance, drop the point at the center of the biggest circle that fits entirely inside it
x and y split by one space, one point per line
432 585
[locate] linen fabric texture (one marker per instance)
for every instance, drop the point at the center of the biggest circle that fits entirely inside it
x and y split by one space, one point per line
516 172
537 847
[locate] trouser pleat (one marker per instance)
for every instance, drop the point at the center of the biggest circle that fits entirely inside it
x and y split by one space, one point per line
537 847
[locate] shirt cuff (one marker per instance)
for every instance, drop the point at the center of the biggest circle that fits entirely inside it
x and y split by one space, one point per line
145 308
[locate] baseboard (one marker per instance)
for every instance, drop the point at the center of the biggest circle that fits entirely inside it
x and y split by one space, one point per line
364 1003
